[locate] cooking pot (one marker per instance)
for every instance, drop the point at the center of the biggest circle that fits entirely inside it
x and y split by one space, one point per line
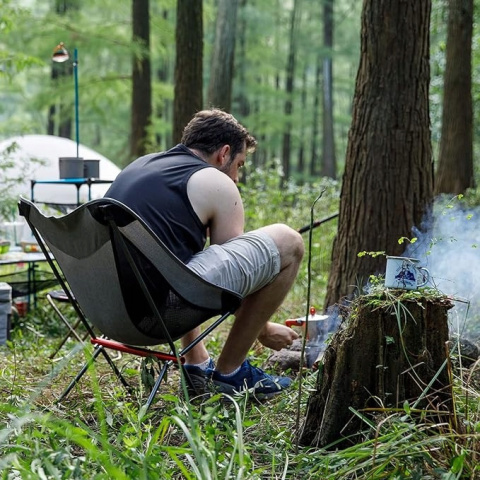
316 329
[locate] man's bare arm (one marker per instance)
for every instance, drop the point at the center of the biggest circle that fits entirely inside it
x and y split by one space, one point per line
217 202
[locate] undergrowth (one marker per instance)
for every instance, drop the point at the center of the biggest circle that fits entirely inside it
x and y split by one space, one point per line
101 432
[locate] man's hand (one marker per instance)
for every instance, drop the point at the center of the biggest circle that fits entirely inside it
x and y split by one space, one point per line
277 336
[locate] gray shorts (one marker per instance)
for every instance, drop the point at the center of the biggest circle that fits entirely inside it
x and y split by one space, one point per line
244 264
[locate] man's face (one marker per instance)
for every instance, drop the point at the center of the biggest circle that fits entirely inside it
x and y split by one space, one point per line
232 166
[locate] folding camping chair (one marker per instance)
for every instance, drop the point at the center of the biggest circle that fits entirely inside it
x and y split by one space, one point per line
122 280
55 297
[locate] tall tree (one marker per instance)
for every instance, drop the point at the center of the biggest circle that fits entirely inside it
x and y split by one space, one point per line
290 75
240 62
314 163
302 125
388 180
188 97
163 106
329 163
455 161
141 109
223 54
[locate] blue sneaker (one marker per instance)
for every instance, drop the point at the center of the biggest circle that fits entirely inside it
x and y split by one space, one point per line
197 379
255 380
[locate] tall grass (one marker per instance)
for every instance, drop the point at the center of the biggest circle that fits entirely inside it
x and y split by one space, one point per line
100 432
104 437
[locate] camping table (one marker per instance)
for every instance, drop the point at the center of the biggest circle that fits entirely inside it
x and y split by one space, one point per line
78 182
31 260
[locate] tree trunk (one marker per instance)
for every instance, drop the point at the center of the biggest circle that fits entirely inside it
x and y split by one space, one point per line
392 350
302 127
387 186
242 99
188 96
163 108
329 163
288 106
314 167
141 82
455 161
221 74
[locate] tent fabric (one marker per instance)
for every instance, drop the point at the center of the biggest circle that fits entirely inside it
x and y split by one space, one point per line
36 158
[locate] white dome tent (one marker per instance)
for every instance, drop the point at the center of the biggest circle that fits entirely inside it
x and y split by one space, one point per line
36 157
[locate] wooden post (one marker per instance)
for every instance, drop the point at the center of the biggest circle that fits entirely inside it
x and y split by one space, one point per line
391 349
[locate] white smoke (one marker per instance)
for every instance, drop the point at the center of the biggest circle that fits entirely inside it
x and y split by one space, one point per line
450 250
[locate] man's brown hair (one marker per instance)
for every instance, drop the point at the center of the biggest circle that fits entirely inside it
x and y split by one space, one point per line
210 130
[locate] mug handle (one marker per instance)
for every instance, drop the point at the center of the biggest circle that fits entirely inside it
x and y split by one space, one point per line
426 276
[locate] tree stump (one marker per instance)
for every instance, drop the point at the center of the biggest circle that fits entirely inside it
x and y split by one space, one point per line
391 349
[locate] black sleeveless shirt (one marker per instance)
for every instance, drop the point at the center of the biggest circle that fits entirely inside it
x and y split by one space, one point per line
155 188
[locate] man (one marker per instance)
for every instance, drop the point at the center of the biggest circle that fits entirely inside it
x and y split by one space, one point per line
190 192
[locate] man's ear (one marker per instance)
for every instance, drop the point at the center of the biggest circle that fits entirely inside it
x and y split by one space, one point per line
223 155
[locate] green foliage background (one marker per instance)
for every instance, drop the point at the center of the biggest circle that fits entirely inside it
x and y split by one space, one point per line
102 34
101 31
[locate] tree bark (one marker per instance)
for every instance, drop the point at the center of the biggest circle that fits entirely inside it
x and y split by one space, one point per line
314 163
163 109
391 351
288 106
188 96
455 161
141 109
387 186
242 99
329 163
302 127
221 74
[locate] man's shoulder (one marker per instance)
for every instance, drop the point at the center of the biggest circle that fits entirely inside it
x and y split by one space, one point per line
212 180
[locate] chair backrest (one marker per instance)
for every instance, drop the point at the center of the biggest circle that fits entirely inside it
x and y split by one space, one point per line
88 245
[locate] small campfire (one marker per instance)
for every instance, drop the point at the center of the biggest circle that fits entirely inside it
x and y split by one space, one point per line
317 329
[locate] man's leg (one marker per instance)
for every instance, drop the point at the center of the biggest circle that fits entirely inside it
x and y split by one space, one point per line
251 319
198 354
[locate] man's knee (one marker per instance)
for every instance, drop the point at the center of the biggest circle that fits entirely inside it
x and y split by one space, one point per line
294 242
289 242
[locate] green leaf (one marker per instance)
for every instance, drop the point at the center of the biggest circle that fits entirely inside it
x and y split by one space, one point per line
457 464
